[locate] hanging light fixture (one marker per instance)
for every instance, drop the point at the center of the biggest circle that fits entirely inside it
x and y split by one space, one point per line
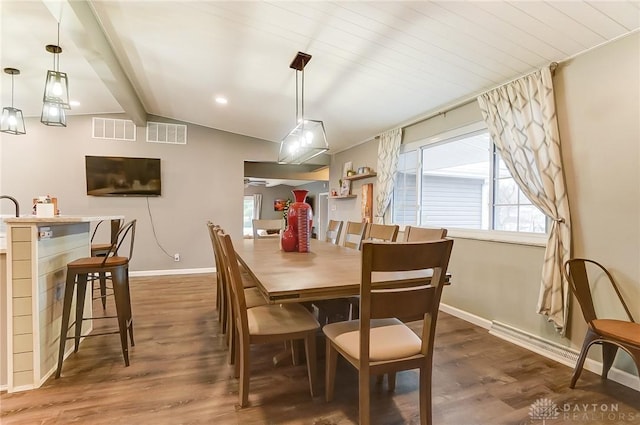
308 138
12 121
56 90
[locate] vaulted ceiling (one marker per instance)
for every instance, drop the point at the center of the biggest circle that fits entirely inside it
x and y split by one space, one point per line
374 65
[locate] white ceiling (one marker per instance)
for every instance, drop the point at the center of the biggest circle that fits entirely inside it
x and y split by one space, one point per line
375 65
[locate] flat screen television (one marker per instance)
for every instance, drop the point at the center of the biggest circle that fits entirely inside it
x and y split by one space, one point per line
123 176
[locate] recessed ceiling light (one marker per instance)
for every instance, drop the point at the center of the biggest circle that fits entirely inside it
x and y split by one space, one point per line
74 103
221 100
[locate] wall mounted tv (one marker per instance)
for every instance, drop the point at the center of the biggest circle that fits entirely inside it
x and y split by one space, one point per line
122 176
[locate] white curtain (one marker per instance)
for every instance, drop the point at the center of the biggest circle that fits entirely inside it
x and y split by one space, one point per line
388 154
521 117
257 205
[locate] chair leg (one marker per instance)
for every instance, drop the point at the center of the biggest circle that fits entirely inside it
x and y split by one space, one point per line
391 381
103 289
363 395
589 338
330 372
66 312
129 313
244 373
425 395
118 279
81 290
310 351
608 356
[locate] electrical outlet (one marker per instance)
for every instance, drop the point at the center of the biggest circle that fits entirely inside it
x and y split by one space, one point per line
176 257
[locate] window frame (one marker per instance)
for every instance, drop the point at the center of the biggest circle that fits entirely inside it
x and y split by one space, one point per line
503 236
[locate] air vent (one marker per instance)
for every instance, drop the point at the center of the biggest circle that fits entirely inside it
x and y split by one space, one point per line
112 129
159 132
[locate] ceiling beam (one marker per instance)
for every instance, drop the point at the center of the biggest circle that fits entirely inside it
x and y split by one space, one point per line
78 20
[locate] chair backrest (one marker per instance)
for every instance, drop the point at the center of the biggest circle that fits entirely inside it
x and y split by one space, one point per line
577 274
266 225
382 232
236 288
334 228
116 225
417 234
127 231
353 234
411 302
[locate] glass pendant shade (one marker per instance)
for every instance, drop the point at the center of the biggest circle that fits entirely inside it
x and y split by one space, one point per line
53 115
305 141
12 121
56 89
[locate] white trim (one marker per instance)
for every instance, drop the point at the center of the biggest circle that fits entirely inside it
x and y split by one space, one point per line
519 238
142 273
447 135
466 316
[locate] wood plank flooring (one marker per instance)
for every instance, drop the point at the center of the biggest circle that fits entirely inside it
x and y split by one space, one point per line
179 375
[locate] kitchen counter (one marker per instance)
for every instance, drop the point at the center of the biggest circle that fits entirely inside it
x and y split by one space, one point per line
37 251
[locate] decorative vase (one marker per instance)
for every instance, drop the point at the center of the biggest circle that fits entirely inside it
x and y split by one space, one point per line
288 240
299 220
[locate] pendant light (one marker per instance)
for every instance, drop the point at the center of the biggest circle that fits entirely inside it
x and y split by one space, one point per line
307 139
12 121
56 90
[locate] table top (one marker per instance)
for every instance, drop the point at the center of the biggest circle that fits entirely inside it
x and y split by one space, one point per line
328 271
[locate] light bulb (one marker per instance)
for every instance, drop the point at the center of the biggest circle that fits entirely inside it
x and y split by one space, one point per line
12 120
309 137
53 111
56 89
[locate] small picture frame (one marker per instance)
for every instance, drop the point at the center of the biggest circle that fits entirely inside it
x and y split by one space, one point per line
345 189
279 204
348 166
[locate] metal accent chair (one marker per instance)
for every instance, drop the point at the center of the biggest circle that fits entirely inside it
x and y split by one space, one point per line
583 275
379 342
77 276
101 250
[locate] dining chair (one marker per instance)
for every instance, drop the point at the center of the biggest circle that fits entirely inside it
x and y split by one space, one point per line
381 232
77 276
267 228
353 234
100 250
252 294
415 234
266 324
585 275
220 302
334 229
379 342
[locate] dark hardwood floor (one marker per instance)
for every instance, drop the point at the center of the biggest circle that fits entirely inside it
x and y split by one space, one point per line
179 375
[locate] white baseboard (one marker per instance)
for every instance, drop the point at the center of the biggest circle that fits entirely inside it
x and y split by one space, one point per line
564 355
466 316
4 387
142 273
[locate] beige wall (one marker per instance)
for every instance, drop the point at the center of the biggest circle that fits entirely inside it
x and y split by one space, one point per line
598 98
201 181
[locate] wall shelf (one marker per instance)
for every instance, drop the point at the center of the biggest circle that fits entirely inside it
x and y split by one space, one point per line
360 176
343 197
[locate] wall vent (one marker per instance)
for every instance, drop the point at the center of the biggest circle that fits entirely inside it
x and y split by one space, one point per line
159 132
112 129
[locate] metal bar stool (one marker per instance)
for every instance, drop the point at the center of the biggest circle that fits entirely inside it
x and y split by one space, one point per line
77 274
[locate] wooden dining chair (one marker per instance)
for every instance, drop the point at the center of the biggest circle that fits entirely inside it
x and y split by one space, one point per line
584 275
381 232
267 228
353 234
252 294
416 234
379 342
220 302
334 229
266 324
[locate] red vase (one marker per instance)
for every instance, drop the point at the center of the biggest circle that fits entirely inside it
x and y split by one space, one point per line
299 219
288 240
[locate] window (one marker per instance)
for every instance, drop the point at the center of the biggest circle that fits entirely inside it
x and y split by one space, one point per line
461 183
247 216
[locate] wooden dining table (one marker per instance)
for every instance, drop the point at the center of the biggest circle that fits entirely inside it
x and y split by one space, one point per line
328 271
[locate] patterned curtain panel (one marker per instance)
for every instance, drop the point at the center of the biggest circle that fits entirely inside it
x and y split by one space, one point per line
257 205
388 154
521 117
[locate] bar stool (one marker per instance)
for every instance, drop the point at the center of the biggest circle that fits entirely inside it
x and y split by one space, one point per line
101 250
77 276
